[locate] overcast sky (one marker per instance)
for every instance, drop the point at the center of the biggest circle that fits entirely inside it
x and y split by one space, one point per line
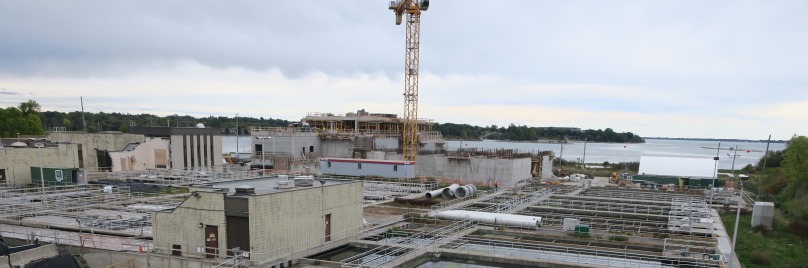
716 69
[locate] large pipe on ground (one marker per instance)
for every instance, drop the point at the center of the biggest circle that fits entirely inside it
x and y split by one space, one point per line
466 190
434 193
449 192
490 218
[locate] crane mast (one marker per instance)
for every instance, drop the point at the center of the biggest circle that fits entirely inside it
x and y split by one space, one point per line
412 10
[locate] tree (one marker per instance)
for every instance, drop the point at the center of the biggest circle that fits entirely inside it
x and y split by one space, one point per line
30 107
795 165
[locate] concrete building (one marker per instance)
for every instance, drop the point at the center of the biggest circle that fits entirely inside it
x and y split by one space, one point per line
188 148
141 156
218 217
367 168
94 147
16 163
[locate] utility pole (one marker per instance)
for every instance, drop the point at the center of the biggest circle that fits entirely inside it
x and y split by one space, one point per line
83 122
763 173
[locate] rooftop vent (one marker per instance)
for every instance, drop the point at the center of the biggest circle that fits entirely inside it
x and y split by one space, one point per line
284 185
245 190
304 181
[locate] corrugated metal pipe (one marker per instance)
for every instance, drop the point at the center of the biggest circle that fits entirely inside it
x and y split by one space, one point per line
449 192
490 218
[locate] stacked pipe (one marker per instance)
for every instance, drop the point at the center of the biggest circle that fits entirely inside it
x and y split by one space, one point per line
454 190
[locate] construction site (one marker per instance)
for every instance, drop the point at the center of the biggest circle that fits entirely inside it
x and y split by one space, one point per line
360 189
583 223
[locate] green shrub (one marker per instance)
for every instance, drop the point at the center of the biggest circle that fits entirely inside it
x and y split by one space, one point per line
761 257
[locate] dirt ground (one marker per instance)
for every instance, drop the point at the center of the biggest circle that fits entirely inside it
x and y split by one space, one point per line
376 213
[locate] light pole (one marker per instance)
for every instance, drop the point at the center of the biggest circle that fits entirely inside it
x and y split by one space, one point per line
41 171
763 173
584 160
238 157
738 214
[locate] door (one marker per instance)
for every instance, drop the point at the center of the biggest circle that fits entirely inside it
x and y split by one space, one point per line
211 241
2 176
327 227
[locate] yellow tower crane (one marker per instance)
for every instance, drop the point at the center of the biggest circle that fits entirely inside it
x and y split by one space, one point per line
413 9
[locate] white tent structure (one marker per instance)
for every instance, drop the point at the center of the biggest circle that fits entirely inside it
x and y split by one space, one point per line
677 166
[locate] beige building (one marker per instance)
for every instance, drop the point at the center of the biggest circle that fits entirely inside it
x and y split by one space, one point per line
210 222
188 147
16 163
141 156
94 147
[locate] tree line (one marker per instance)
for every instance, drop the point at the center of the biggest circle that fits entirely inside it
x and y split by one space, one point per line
27 119
525 133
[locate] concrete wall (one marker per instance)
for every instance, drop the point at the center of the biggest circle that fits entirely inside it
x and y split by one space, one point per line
92 141
195 151
386 143
294 217
142 157
546 167
17 162
474 170
105 258
368 168
181 226
20 259
337 148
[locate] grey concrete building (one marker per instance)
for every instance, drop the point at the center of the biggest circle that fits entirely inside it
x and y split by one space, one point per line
189 147
16 163
214 220
94 147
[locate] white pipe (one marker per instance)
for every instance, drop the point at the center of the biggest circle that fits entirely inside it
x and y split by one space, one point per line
490 218
449 192
434 193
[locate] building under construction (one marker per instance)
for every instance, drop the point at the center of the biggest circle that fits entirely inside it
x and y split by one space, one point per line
372 136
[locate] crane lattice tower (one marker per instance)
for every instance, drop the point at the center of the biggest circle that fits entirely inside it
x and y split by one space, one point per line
412 9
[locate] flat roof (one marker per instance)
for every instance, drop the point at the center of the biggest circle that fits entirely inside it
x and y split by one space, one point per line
370 161
267 185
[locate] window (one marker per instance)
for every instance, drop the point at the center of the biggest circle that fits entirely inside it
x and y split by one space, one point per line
359 165
329 164
176 250
395 167
311 149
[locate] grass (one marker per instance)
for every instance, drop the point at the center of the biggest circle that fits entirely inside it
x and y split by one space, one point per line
773 248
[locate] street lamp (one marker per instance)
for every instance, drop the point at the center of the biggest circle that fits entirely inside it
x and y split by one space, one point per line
238 157
740 199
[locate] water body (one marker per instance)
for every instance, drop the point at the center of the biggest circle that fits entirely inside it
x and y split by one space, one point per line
748 152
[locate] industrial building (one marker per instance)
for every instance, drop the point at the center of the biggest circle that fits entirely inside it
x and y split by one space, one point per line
267 215
681 172
17 159
364 136
188 147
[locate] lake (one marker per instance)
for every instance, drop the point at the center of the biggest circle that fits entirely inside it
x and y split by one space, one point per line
748 152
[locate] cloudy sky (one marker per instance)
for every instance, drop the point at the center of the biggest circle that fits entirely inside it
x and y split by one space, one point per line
717 69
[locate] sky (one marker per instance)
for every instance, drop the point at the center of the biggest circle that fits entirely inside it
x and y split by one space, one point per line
694 69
